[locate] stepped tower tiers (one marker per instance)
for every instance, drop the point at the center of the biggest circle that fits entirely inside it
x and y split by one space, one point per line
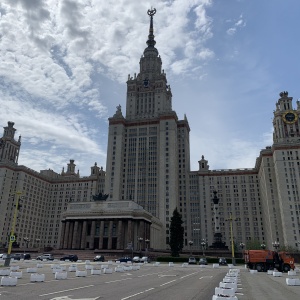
148 94
9 147
148 149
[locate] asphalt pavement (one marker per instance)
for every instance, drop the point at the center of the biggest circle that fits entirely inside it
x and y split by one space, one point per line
150 282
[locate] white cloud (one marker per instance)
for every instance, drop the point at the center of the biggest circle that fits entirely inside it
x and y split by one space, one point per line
231 31
238 24
64 64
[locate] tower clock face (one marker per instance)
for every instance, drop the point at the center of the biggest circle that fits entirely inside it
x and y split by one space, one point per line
290 117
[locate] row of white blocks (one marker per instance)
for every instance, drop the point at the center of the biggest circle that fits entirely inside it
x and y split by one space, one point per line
289 281
228 286
11 276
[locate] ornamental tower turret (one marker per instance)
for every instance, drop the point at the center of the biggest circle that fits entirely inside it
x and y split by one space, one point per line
286 120
9 147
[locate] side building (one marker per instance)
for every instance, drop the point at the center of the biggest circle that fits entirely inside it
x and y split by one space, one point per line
44 195
264 201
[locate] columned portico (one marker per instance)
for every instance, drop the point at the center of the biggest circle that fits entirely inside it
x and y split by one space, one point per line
104 226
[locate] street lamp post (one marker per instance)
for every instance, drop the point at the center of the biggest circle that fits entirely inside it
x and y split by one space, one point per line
26 240
147 244
276 245
12 237
191 244
140 239
242 246
231 219
203 244
38 242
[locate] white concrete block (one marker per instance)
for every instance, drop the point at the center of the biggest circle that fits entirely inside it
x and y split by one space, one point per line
56 270
107 271
81 273
136 267
184 265
110 262
39 265
4 272
156 264
104 266
95 272
72 269
292 281
224 292
87 262
226 285
171 264
216 297
31 270
119 269
292 273
61 275
55 266
9 281
127 268
215 266
37 277
270 272
229 280
16 274
14 268
277 274
253 272
88 267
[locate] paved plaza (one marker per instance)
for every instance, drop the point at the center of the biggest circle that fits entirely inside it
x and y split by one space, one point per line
138 281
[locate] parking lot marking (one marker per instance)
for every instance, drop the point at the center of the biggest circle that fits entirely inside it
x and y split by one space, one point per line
63 291
150 274
188 275
118 280
205 277
168 282
137 294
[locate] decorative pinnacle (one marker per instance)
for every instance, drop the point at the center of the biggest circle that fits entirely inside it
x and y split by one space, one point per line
151 42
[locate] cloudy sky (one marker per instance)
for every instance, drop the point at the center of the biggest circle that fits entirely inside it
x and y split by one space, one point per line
64 66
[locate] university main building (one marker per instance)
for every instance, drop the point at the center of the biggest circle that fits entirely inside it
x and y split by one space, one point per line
148 175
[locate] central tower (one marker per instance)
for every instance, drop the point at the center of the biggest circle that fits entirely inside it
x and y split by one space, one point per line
148 149
148 94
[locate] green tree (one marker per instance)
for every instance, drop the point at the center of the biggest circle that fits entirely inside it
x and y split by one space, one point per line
176 233
288 248
253 244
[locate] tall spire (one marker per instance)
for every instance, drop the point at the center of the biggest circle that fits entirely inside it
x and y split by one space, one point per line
151 42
